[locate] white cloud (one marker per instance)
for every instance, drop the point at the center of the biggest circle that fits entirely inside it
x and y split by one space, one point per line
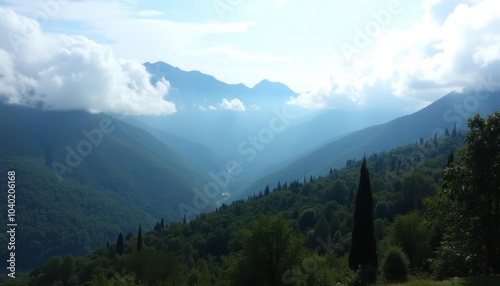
309 100
233 104
255 107
61 72
449 48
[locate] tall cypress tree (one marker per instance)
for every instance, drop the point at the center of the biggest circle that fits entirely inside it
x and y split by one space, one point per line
120 244
139 239
363 251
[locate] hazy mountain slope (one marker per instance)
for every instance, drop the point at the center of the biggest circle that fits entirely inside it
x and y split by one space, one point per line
200 155
76 191
443 113
263 137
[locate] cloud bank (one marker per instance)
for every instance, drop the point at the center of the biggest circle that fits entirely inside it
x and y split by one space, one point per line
453 46
64 72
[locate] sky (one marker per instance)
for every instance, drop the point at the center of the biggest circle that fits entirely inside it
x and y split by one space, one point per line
330 52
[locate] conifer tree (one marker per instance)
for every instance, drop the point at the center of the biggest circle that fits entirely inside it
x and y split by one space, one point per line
363 252
266 191
139 239
128 237
451 159
120 244
162 223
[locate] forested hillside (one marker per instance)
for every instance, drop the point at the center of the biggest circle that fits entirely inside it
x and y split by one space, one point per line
300 233
444 114
83 177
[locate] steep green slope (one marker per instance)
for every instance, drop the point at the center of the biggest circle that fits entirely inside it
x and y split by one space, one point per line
82 177
452 109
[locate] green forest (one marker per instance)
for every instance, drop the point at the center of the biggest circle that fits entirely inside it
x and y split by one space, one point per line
418 213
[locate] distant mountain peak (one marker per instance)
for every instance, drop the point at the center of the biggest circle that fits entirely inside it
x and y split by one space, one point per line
264 82
189 87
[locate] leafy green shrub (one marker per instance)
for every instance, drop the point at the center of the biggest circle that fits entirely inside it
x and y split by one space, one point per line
450 261
395 266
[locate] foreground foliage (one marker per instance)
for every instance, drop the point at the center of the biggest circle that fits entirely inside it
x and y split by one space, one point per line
467 208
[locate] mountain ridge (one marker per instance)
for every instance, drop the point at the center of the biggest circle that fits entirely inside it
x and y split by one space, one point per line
441 114
188 87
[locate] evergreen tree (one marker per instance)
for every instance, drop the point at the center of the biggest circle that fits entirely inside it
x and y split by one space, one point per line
322 230
454 132
363 252
451 159
67 268
184 219
139 239
162 223
447 132
266 191
120 244
128 237
279 186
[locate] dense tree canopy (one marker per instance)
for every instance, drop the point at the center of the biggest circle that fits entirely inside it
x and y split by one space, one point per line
468 207
299 235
